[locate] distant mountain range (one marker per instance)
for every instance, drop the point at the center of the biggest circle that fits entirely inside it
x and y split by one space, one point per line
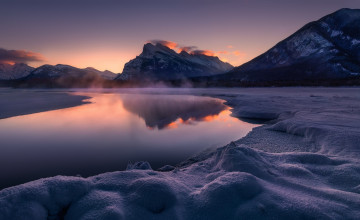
53 76
21 70
61 71
326 49
158 62
321 51
66 76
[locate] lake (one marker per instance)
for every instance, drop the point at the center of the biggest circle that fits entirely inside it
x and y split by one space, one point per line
110 131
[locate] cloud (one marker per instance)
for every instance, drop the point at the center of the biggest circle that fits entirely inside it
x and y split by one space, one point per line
222 52
19 56
238 53
224 55
203 52
169 44
187 48
210 52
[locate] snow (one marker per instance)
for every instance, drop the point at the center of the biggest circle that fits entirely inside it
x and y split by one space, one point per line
154 59
354 74
335 33
16 71
355 42
339 33
307 43
303 164
21 102
325 26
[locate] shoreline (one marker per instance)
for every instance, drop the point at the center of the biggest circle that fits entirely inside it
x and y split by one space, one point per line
12 104
304 164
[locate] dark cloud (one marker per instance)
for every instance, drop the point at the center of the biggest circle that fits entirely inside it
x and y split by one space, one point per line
193 49
173 45
203 52
19 56
187 48
169 44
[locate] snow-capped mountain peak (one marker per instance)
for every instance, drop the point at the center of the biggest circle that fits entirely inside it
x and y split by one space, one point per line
325 49
162 63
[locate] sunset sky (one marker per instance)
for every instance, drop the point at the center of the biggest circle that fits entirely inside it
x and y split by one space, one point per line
106 34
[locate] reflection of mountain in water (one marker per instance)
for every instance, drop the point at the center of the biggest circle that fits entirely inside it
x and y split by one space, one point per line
159 111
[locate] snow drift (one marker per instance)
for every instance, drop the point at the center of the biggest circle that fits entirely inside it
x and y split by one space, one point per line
303 165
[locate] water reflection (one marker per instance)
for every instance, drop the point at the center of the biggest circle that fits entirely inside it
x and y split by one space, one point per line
111 131
166 111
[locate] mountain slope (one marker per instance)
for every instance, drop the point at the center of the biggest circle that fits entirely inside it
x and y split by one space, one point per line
160 62
104 74
66 76
16 71
60 70
325 49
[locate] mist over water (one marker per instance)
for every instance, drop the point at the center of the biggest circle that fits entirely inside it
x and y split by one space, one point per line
111 131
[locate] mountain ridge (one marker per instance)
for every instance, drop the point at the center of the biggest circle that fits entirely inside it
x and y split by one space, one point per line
65 76
60 70
162 63
328 48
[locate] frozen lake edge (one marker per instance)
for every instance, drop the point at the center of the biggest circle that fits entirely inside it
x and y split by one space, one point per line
304 164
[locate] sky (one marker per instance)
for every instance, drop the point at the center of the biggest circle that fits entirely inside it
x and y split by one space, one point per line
105 34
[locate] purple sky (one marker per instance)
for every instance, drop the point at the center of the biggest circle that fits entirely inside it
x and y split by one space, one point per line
106 34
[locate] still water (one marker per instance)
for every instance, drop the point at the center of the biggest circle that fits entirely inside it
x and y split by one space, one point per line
111 131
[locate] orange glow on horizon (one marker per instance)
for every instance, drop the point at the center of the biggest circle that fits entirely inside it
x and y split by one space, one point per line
171 45
8 62
210 118
172 125
100 59
114 59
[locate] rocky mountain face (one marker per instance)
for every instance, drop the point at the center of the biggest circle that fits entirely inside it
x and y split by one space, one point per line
16 71
162 63
325 49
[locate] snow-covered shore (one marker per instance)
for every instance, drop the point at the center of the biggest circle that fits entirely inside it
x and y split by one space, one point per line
21 102
304 164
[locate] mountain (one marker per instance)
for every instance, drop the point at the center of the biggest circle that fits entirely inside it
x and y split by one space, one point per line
162 63
66 76
15 71
60 70
104 74
326 49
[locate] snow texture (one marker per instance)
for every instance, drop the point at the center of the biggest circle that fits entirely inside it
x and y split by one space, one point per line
16 71
303 164
21 102
61 70
324 49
